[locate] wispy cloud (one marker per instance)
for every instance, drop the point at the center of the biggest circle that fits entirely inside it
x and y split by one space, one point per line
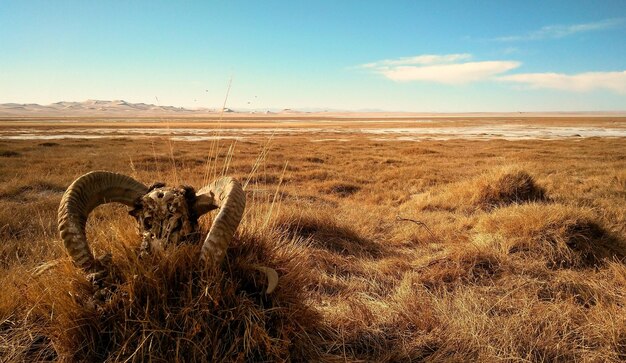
448 69
450 73
419 59
614 81
561 31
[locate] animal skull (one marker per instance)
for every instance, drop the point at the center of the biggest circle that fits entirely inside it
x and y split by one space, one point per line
165 216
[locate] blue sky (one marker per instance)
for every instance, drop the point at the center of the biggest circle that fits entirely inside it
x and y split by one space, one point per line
441 56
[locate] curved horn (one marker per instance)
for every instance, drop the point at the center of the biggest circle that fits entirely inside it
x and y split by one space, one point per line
86 193
226 194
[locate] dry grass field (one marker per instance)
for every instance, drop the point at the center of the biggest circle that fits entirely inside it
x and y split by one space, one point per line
387 251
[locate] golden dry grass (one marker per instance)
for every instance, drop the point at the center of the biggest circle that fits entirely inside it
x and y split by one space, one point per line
516 253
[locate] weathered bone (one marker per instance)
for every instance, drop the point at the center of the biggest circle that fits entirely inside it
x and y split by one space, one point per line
164 217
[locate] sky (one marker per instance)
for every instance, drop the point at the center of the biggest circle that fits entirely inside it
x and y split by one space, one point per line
420 56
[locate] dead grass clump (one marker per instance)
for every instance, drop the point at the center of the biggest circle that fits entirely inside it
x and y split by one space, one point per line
49 144
564 236
9 154
392 161
157 162
506 187
577 288
421 151
323 231
341 189
463 266
315 160
85 145
36 188
167 308
487 191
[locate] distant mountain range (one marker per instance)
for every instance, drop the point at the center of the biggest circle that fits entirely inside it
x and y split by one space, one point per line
94 107
124 108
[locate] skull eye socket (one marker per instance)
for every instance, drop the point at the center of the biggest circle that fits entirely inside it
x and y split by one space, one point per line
147 223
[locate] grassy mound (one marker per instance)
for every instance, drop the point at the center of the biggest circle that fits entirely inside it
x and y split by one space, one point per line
498 188
564 236
9 153
168 309
462 266
340 189
506 187
324 232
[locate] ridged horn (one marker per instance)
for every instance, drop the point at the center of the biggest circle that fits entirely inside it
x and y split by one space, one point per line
226 194
83 195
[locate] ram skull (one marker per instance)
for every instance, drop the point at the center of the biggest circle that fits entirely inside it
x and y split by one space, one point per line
165 216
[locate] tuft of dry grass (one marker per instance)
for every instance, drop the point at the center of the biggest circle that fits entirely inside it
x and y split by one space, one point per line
492 189
320 230
9 154
563 235
340 189
506 187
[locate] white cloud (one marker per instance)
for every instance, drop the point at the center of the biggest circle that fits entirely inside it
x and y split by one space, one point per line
420 59
614 81
448 69
561 31
450 73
